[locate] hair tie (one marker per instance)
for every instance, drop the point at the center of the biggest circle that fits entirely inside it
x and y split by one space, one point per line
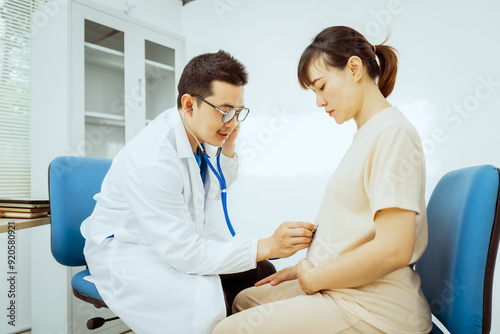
374 50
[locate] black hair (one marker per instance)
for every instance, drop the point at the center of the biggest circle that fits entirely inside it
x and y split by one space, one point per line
337 44
202 70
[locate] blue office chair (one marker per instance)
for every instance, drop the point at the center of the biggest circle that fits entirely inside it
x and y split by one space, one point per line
458 265
73 182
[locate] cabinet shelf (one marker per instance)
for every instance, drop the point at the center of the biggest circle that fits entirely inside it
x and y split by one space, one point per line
99 118
156 75
160 65
102 57
103 49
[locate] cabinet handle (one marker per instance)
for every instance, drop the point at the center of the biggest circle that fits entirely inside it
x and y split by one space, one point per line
141 96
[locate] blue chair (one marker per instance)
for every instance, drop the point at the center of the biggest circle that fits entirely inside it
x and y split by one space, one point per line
458 265
73 182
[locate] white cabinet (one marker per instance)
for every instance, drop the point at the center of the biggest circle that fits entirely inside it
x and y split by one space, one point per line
98 78
129 77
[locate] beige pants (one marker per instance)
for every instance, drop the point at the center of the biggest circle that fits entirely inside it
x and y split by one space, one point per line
285 308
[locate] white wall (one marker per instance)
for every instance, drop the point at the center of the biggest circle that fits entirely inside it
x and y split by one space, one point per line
447 51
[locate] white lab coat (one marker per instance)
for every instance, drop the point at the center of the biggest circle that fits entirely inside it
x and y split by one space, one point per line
159 270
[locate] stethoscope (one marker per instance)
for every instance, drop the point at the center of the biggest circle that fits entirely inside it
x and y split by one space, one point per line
219 174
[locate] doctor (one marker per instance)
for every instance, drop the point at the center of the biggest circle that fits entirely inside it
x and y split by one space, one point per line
154 261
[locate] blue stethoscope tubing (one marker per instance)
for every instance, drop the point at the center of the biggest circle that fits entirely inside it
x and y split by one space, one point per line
219 175
223 188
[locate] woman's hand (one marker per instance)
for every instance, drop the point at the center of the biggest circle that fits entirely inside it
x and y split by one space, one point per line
305 276
286 274
288 239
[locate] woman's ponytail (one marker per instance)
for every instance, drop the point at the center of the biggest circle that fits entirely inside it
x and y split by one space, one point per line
388 61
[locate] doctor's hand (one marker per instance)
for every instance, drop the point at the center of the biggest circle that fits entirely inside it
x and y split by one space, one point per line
288 239
229 145
286 274
305 276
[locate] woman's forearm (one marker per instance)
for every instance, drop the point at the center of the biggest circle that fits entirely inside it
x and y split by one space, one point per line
359 267
391 249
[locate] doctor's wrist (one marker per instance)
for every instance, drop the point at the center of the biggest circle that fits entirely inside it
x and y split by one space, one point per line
229 152
264 250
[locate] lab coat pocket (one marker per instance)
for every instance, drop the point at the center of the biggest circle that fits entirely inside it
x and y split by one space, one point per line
128 263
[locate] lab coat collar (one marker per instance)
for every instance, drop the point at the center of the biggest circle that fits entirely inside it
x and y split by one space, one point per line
181 139
184 151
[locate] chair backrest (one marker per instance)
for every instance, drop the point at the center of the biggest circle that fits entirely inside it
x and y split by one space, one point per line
73 182
458 265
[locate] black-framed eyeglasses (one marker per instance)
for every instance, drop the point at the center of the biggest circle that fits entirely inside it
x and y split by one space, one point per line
228 115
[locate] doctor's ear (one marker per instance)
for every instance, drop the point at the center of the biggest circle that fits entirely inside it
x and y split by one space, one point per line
187 102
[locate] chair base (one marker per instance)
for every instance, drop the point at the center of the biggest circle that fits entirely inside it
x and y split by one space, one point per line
96 302
96 322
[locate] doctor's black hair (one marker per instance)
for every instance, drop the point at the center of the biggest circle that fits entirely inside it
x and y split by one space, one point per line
337 44
202 70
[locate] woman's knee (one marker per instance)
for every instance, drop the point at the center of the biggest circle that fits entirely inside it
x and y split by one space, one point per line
244 300
221 328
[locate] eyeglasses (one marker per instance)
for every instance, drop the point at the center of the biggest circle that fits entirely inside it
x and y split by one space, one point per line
228 115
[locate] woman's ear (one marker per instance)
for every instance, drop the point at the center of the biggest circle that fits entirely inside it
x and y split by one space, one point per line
355 67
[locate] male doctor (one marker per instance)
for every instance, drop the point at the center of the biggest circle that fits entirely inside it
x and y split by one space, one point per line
152 257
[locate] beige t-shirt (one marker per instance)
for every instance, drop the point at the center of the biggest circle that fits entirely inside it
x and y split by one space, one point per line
383 168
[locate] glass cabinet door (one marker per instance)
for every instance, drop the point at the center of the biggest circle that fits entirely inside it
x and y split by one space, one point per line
159 66
104 90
